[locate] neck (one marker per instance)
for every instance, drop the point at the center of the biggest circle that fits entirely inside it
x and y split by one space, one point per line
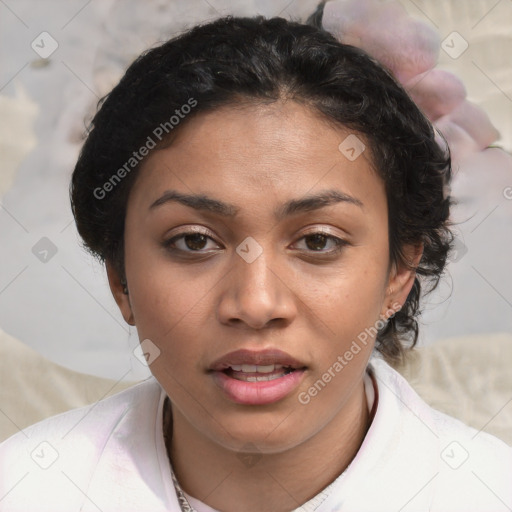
229 481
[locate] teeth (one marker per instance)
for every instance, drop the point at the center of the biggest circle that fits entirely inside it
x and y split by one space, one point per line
253 368
259 378
266 369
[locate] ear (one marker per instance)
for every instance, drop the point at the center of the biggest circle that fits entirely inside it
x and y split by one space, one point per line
118 289
401 279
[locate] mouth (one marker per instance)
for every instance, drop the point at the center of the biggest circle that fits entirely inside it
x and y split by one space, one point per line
257 377
258 373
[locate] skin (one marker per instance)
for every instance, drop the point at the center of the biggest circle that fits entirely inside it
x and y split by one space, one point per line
294 297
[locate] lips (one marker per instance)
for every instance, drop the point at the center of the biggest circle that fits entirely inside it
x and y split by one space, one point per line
257 377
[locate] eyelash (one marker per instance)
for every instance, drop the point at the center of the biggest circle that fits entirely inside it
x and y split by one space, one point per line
339 243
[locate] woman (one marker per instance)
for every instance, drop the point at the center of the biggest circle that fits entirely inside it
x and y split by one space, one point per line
268 203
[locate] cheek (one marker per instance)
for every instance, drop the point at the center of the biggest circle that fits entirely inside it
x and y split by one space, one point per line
164 299
351 309
352 317
168 307
356 295
170 313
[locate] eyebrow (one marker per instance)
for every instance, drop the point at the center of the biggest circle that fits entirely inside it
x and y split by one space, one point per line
292 207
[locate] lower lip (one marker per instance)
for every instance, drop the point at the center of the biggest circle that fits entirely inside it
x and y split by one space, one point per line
257 393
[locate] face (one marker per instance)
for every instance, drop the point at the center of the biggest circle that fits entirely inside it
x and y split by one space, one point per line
254 291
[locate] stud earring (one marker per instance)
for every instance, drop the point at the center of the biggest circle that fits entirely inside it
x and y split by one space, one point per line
125 286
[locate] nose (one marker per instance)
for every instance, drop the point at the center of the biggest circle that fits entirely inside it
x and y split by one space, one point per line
256 294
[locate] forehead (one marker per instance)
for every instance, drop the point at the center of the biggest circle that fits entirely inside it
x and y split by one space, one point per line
260 151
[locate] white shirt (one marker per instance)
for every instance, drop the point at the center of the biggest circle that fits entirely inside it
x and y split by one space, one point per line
111 456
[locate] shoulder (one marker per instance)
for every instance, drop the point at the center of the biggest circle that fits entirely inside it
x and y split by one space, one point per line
396 393
461 466
65 451
81 419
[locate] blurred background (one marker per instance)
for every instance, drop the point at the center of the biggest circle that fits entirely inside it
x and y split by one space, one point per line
59 57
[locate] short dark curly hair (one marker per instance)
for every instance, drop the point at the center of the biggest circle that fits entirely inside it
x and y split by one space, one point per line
262 60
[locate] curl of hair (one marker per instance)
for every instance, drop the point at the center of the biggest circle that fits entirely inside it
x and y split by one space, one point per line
256 60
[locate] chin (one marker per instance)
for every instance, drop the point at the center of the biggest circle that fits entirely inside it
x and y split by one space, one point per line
263 432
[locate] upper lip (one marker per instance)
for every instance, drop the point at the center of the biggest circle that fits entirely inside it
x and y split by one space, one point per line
256 357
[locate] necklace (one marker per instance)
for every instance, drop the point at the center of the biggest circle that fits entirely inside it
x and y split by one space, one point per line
182 499
185 506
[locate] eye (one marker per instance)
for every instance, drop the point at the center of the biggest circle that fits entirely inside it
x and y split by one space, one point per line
197 242
317 240
190 241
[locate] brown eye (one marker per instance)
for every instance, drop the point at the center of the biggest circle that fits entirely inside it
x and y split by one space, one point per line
188 242
319 242
196 241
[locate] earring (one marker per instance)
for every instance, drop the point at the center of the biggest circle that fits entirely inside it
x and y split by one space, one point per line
125 286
